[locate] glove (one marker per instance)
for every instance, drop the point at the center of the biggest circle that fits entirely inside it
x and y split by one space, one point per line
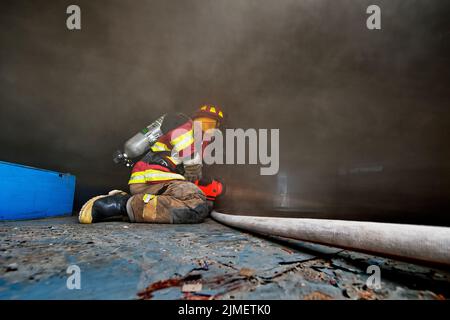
193 172
211 188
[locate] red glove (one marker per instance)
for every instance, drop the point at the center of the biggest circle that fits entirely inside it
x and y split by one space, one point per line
210 187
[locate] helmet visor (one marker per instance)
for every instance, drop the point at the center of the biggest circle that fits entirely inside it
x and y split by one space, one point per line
207 123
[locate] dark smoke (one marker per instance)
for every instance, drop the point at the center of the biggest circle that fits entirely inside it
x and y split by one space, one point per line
363 115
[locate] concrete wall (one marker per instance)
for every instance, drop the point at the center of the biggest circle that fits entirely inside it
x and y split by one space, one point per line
363 115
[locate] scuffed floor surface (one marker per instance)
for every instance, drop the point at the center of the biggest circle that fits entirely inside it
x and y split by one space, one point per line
208 261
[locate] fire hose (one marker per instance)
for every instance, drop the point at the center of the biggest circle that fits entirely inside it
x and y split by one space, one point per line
427 244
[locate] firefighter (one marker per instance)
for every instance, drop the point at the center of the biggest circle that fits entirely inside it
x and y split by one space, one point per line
161 183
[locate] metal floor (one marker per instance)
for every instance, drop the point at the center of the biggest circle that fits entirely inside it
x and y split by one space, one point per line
119 260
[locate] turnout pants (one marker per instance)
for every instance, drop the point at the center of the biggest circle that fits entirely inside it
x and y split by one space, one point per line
175 201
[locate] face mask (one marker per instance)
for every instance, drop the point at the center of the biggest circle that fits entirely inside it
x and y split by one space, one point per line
207 123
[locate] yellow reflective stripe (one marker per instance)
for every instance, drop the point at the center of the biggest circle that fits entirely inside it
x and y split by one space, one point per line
159 146
162 177
137 177
147 197
175 141
153 175
136 180
174 160
213 109
183 141
203 108
183 144
138 174
220 114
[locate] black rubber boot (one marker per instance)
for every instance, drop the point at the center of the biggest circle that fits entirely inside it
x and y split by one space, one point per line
110 207
104 207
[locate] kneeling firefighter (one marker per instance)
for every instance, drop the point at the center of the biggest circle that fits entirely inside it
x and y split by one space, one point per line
166 185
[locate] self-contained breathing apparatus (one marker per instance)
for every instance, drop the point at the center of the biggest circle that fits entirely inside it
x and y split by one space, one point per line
139 144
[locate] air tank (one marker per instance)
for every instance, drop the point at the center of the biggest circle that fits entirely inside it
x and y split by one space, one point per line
139 143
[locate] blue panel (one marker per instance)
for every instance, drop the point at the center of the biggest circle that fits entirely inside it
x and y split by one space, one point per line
30 193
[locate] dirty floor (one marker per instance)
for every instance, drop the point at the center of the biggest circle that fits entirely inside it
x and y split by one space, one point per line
119 260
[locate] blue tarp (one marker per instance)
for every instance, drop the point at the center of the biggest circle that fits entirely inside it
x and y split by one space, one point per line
30 193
